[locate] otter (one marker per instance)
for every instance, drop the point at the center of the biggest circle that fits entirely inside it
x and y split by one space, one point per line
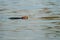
23 17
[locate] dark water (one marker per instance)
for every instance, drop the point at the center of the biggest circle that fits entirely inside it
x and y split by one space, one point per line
43 22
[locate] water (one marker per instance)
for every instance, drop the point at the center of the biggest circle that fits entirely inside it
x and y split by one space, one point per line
43 22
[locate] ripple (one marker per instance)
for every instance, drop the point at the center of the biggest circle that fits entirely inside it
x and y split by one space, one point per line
2 9
52 3
50 18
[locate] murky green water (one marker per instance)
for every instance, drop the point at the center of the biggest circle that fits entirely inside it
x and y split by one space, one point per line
43 22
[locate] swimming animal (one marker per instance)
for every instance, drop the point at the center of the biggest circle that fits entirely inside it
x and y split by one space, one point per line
23 17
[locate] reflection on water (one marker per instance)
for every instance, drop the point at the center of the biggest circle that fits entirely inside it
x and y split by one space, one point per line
43 20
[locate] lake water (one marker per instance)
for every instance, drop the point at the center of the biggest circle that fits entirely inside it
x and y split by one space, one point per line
43 22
